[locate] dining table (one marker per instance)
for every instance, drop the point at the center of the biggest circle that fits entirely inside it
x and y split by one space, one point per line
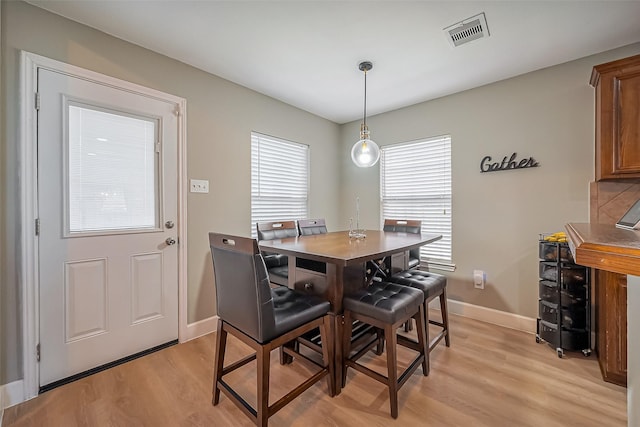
334 264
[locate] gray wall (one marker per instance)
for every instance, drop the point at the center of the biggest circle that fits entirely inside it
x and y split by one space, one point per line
497 217
221 116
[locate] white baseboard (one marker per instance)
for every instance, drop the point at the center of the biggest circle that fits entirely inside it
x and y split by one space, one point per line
11 394
489 315
201 327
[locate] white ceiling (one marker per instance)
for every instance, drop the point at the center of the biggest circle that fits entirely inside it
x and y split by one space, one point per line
306 53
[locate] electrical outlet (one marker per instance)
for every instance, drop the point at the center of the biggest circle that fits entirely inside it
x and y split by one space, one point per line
199 186
479 279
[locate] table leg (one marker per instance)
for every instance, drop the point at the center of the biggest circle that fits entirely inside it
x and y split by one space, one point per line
337 323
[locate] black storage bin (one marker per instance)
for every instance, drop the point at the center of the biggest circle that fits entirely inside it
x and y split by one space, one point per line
549 291
574 317
548 312
579 297
569 339
548 251
563 307
571 275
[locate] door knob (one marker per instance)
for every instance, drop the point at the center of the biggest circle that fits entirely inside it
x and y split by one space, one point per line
170 241
168 224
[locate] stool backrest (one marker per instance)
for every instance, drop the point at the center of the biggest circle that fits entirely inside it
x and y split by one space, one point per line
403 225
312 226
276 230
243 294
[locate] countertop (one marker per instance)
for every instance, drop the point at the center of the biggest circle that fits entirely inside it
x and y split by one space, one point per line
606 247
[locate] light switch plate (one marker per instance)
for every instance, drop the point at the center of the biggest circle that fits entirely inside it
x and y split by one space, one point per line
199 186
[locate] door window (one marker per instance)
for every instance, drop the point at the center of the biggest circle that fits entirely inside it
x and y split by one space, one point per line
112 171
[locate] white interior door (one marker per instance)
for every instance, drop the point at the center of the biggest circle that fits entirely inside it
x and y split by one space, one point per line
107 201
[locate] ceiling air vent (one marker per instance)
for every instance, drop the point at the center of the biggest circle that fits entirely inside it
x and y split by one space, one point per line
468 30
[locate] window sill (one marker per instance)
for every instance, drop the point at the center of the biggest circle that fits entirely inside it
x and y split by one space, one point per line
442 266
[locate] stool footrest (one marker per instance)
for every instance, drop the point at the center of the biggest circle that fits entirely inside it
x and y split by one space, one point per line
410 370
408 343
436 340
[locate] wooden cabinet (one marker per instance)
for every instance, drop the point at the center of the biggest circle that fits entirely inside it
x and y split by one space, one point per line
617 87
611 325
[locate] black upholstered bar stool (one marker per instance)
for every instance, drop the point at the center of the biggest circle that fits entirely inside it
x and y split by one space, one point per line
264 319
308 227
432 285
379 270
385 306
406 226
277 264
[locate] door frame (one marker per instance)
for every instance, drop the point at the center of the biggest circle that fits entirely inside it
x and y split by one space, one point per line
28 281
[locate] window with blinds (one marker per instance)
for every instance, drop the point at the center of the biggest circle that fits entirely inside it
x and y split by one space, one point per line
415 183
112 167
279 179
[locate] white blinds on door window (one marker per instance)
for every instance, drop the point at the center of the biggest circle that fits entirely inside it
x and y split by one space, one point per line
279 179
112 171
415 183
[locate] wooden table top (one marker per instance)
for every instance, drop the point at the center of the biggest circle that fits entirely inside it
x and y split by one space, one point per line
606 247
337 248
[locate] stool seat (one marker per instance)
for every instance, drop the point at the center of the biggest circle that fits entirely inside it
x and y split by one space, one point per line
431 284
384 301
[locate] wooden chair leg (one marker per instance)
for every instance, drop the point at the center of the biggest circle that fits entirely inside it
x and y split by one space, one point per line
392 368
408 326
328 353
445 316
346 344
286 359
422 338
380 347
221 346
262 396
425 310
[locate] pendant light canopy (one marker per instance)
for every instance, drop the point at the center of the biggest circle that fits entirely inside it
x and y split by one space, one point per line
365 153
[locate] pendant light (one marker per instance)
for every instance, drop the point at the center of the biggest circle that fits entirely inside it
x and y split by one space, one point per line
365 153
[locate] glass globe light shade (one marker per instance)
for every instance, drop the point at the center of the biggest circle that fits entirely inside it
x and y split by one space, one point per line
365 153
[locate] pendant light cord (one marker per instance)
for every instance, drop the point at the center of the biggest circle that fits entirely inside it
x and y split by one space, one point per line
364 121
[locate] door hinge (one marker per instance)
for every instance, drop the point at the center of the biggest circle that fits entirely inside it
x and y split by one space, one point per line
37 101
37 226
157 147
38 352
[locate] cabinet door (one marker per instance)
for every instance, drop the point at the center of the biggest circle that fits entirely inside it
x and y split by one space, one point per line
626 124
617 119
311 282
611 313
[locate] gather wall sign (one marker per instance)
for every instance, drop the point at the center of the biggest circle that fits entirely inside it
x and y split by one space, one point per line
508 163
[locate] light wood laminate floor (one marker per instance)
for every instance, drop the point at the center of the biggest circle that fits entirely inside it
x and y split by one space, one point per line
490 376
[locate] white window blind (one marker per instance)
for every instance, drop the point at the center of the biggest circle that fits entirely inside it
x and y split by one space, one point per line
112 171
279 179
415 183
